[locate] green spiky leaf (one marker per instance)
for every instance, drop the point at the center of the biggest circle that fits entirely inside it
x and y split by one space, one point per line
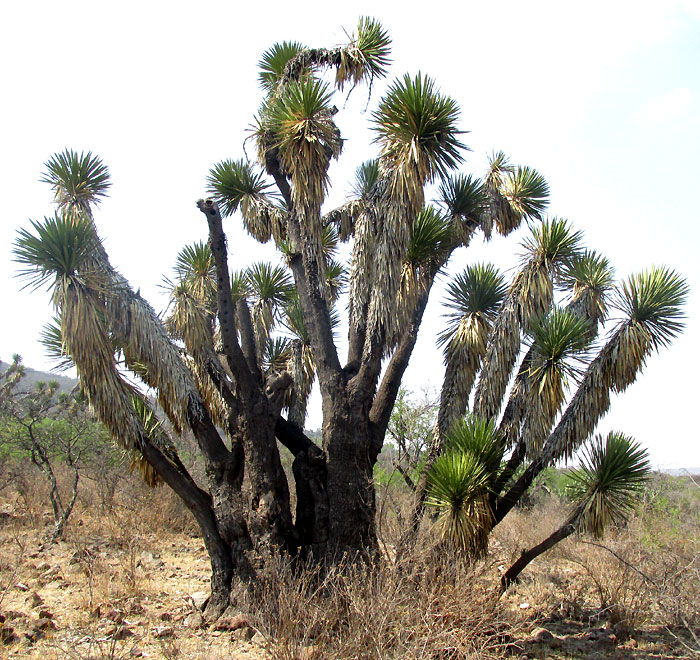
366 178
51 339
654 300
374 45
476 292
58 248
607 485
230 181
269 283
431 235
416 126
77 179
273 62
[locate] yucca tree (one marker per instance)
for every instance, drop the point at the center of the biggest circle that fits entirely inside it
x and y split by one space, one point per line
590 278
559 342
218 364
513 194
604 489
460 481
269 287
559 357
300 364
473 300
78 181
547 250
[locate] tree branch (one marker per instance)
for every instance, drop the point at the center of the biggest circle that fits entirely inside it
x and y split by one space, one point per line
245 326
307 277
380 413
232 351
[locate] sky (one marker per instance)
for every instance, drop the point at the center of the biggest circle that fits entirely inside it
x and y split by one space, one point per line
602 98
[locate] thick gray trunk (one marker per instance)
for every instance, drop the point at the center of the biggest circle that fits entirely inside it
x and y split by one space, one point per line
350 459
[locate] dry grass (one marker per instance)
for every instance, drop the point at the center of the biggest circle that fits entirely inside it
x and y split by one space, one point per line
124 581
423 608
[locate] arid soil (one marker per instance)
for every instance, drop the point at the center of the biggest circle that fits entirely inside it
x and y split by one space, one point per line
129 583
94 598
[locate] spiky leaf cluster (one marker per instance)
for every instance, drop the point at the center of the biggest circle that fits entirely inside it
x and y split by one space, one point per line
607 485
459 483
78 180
416 128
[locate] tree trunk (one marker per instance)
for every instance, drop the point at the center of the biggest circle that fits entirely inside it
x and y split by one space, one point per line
350 459
513 573
61 522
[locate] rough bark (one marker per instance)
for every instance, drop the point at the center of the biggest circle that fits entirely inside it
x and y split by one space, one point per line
513 573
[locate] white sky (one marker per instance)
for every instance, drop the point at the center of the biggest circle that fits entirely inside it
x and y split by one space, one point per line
603 98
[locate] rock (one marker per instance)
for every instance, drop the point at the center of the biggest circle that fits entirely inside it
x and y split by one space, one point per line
194 620
309 653
165 616
45 614
199 598
232 622
259 639
541 635
33 635
524 606
57 583
602 636
43 566
136 652
35 599
21 586
243 634
13 614
118 632
149 560
161 632
137 608
44 624
115 615
7 634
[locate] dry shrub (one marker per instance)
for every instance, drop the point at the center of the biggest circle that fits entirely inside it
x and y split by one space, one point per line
521 529
649 571
427 607
646 572
621 591
26 494
394 509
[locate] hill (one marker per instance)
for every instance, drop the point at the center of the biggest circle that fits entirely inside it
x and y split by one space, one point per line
32 377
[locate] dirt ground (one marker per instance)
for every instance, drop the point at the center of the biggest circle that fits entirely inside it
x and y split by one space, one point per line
94 597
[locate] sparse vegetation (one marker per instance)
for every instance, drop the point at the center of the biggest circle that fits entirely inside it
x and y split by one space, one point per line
120 584
324 549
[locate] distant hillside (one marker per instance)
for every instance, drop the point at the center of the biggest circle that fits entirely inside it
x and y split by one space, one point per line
32 377
683 472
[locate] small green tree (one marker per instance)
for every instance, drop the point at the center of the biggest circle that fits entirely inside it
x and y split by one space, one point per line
409 431
48 428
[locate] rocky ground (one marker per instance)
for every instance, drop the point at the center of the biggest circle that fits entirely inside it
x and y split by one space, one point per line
124 585
96 599
93 600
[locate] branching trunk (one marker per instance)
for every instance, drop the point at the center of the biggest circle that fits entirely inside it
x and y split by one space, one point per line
513 573
61 522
